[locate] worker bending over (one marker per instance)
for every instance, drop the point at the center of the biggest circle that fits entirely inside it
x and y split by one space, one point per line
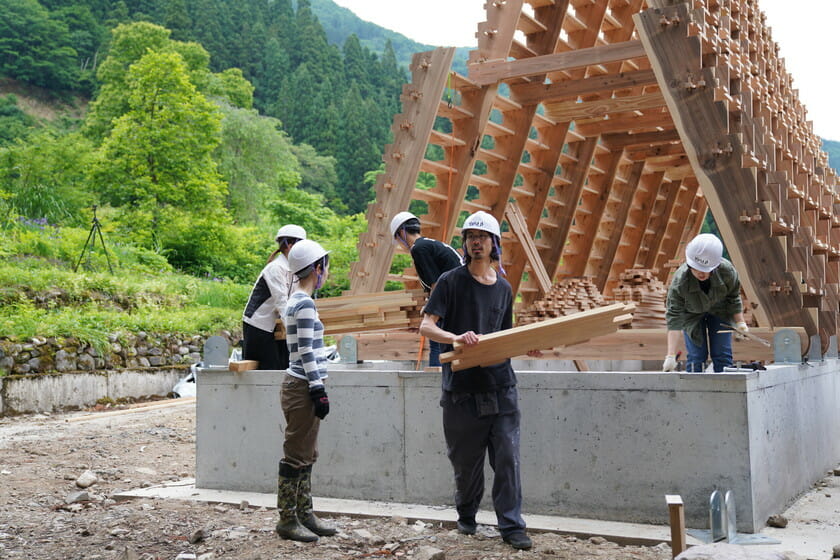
704 302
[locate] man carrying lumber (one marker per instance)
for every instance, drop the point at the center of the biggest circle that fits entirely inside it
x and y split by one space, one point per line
704 297
480 404
431 259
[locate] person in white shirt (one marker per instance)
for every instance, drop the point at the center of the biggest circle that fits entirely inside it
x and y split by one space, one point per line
266 304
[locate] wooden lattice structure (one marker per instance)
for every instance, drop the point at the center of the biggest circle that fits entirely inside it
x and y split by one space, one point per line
600 132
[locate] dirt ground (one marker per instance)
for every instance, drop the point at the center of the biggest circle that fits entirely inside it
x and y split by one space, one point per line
44 514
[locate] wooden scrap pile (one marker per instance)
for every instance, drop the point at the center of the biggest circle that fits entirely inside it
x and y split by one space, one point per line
550 333
572 295
371 312
641 286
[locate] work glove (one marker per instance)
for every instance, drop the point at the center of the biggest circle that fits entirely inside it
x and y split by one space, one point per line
320 401
742 328
670 363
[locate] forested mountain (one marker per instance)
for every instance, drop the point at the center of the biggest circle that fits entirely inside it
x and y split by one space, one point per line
832 148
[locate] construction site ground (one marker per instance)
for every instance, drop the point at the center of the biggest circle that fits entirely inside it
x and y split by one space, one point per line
142 505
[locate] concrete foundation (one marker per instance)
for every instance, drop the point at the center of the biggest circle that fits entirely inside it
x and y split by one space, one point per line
603 445
21 394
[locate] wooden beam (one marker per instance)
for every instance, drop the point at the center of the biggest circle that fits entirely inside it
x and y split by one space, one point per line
676 515
627 139
627 196
493 72
403 158
541 92
651 344
496 347
520 229
564 111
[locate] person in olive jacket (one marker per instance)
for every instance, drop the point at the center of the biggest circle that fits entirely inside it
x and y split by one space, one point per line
704 304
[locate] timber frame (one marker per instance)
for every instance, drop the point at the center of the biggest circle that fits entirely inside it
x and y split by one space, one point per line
599 132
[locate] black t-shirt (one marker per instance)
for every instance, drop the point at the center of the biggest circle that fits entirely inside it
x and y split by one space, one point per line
432 258
465 304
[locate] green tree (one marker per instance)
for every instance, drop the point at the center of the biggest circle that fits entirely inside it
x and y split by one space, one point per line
14 123
318 175
256 159
44 177
357 152
157 162
34 47
177 19
232 86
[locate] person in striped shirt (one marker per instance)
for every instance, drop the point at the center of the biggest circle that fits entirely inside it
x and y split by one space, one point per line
304 398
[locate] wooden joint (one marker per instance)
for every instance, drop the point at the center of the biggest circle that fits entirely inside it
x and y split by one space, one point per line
774 288
788 288
690 84
666 21
721 150
416 95
499 3
745 217
406 125
389 185
425 65
491 33
397 155
370 244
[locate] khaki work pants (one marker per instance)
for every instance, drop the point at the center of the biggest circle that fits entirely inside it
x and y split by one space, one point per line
300 447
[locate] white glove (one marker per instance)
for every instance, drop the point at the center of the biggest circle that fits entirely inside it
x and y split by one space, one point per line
670 363
742 328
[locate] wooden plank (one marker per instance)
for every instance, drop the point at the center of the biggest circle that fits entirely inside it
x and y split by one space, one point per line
496 347
651 344
564 111
493 72
243 365
529 93
520 229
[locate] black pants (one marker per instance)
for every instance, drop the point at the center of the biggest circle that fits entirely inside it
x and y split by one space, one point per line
261 346
468 438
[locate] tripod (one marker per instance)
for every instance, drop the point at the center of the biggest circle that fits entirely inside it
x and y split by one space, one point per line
91 242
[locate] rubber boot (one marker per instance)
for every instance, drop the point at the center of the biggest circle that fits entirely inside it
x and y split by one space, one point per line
304 506
289 526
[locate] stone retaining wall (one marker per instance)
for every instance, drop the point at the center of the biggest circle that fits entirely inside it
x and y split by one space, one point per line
66 354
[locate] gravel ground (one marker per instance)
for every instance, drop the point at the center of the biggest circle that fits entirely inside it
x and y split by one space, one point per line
45 514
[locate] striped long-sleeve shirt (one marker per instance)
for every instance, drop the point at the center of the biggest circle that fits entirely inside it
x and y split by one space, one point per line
305 338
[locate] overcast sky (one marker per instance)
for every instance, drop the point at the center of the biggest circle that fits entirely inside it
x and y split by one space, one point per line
806 33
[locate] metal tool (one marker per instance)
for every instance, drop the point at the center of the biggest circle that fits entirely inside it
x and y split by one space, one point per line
749 335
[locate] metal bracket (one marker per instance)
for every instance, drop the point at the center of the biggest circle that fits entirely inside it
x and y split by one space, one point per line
216 352
832 353
348 350
815 349
787 347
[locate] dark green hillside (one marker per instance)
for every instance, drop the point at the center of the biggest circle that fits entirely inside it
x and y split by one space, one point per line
339 23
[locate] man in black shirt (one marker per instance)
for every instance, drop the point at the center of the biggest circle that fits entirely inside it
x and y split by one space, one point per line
431 259
480 404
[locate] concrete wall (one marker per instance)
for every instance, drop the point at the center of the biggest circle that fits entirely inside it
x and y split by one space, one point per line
20 394
606 445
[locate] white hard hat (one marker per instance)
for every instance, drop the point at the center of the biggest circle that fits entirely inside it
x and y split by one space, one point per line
291 230
482 221
399 220
305 253
704 252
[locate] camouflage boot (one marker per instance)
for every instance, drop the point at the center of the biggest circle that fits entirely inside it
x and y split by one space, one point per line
287 495
304 506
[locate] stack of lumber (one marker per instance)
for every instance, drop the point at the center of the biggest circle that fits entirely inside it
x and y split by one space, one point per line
571 295
371 312
642 287
562 331
396 346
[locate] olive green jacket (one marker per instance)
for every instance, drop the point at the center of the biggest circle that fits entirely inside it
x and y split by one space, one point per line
687 303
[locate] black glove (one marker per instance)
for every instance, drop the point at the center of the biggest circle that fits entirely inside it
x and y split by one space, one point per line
320 400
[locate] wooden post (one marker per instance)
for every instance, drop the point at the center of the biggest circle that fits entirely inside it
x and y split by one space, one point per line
676 514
